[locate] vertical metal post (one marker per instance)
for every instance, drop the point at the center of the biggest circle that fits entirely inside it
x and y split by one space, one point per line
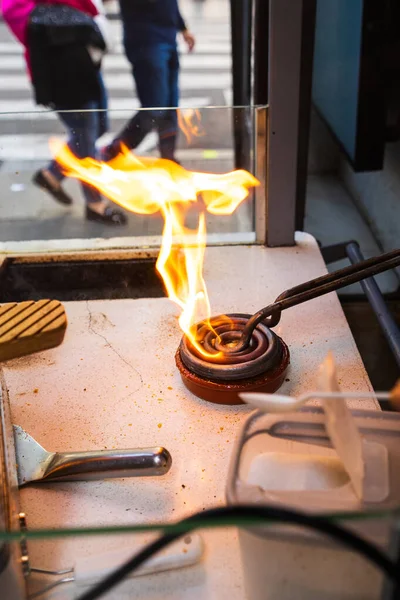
305 102
261 52
289 105
260 100
241 30
260 171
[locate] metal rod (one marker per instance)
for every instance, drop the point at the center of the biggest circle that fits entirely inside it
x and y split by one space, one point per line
47 572
371 289
352 395
313 289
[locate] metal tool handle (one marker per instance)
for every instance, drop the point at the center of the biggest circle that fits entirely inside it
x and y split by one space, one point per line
313 289
103 464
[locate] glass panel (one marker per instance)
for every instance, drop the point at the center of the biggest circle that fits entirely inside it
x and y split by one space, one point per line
347 79
32 220
336 67
74 563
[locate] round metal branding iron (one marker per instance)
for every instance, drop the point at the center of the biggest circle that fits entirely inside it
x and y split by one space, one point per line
221 376
238 353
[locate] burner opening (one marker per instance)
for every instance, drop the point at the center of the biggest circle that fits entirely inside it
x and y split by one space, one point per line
215 371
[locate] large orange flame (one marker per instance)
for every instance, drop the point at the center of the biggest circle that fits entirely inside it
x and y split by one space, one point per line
150 185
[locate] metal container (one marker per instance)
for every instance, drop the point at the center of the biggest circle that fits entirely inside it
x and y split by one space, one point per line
288 460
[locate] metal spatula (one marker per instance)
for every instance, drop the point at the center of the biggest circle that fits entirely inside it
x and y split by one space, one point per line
35 464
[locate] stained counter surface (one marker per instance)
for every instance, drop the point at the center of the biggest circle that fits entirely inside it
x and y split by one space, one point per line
113 384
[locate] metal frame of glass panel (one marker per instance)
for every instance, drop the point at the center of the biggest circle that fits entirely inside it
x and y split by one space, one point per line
280 204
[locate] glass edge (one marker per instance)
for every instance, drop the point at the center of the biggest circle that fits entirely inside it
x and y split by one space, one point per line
123 110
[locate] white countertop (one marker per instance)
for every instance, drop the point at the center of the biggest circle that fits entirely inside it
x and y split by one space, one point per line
105 387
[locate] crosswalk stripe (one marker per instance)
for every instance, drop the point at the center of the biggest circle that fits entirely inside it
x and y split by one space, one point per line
10 48
228 95
203 36
207 33
118 61
203 47
123 81
122 108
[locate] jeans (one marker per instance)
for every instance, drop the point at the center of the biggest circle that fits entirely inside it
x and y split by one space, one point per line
84 127
155 69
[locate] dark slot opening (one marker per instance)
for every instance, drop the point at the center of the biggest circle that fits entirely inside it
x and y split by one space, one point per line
80 280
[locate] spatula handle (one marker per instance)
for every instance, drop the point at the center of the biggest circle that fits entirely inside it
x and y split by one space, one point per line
103 464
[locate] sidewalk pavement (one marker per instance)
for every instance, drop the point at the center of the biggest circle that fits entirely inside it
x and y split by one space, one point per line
28 213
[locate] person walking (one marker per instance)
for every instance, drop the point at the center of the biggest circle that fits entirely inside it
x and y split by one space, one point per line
63 49
150 29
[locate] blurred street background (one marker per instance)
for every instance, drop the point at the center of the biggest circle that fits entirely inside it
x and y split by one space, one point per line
27 213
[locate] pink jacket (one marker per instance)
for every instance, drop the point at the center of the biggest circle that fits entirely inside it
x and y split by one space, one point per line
16 14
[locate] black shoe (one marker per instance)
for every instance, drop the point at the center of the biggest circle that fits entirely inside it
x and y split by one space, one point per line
109 152
111 216
57 193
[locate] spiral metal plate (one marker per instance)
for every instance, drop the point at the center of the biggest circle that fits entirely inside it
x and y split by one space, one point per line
263 353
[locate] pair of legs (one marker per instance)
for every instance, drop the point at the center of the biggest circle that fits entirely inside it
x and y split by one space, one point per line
84 130
85 127
155 70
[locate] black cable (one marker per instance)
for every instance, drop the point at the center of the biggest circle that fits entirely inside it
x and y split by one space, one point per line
391 590
225 515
